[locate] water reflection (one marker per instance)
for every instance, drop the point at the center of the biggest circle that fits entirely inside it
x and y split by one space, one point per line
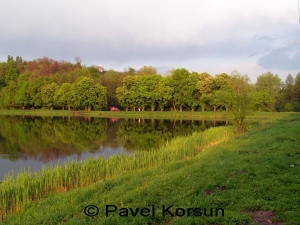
35 141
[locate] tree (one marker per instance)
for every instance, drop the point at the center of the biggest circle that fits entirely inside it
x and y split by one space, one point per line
272 84
205 86
164 92
22 97
193 94
8 93
261 101
63 97
3 71
127 93
100 97
111 80
296 89
87 94
179 83
147 86
239 100
147 70
48 92
288 88
34 89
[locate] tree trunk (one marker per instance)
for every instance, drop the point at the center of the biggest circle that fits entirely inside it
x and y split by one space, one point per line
202 108
69 108
152 109
174 106
63 108
193 109
180 108
51 107
215 108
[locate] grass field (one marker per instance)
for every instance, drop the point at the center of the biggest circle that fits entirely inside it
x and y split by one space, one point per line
245 175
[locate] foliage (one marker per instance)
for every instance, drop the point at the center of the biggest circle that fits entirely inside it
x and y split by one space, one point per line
272 84
63 96
87 94
180 85
47 93
178 90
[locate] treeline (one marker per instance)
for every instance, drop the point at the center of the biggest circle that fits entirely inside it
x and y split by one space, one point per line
51 84
183 90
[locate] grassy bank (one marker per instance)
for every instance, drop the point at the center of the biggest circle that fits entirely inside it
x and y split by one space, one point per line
255 172
15 192
120 114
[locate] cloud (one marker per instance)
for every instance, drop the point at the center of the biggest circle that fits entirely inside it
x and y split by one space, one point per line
164 33
287 58
264 38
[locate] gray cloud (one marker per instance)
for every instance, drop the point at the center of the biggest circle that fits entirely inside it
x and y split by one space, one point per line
281 58
165 33
264 38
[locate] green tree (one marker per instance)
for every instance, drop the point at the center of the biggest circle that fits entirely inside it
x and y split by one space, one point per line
12 71
127 93
221 90
239 100
22 97
48 92
87 94
111 80
147 87
99 97
3 71
205 87
261 101
9 93
288 89
179 83
193 94
34 89
12 74
63 97
296 89
164 92
272 84
147 70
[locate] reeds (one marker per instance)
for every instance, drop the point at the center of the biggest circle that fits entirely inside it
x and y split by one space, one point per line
27 186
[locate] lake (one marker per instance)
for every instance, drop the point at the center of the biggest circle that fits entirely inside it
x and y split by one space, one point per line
27 141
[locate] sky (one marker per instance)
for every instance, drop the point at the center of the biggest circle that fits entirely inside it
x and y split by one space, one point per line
214 36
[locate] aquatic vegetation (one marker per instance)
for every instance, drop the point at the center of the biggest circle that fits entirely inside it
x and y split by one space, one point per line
27 186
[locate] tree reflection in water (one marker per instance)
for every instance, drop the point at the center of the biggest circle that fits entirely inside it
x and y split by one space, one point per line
45 139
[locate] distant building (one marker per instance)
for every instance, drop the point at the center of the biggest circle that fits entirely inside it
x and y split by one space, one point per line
100 69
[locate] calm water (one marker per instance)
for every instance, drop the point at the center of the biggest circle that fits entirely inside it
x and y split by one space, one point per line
37 141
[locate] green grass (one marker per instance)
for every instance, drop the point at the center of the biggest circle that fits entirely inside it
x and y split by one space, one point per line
186 115
244 174
27 186
120 114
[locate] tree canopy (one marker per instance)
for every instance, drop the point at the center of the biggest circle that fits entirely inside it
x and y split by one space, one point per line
48 83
